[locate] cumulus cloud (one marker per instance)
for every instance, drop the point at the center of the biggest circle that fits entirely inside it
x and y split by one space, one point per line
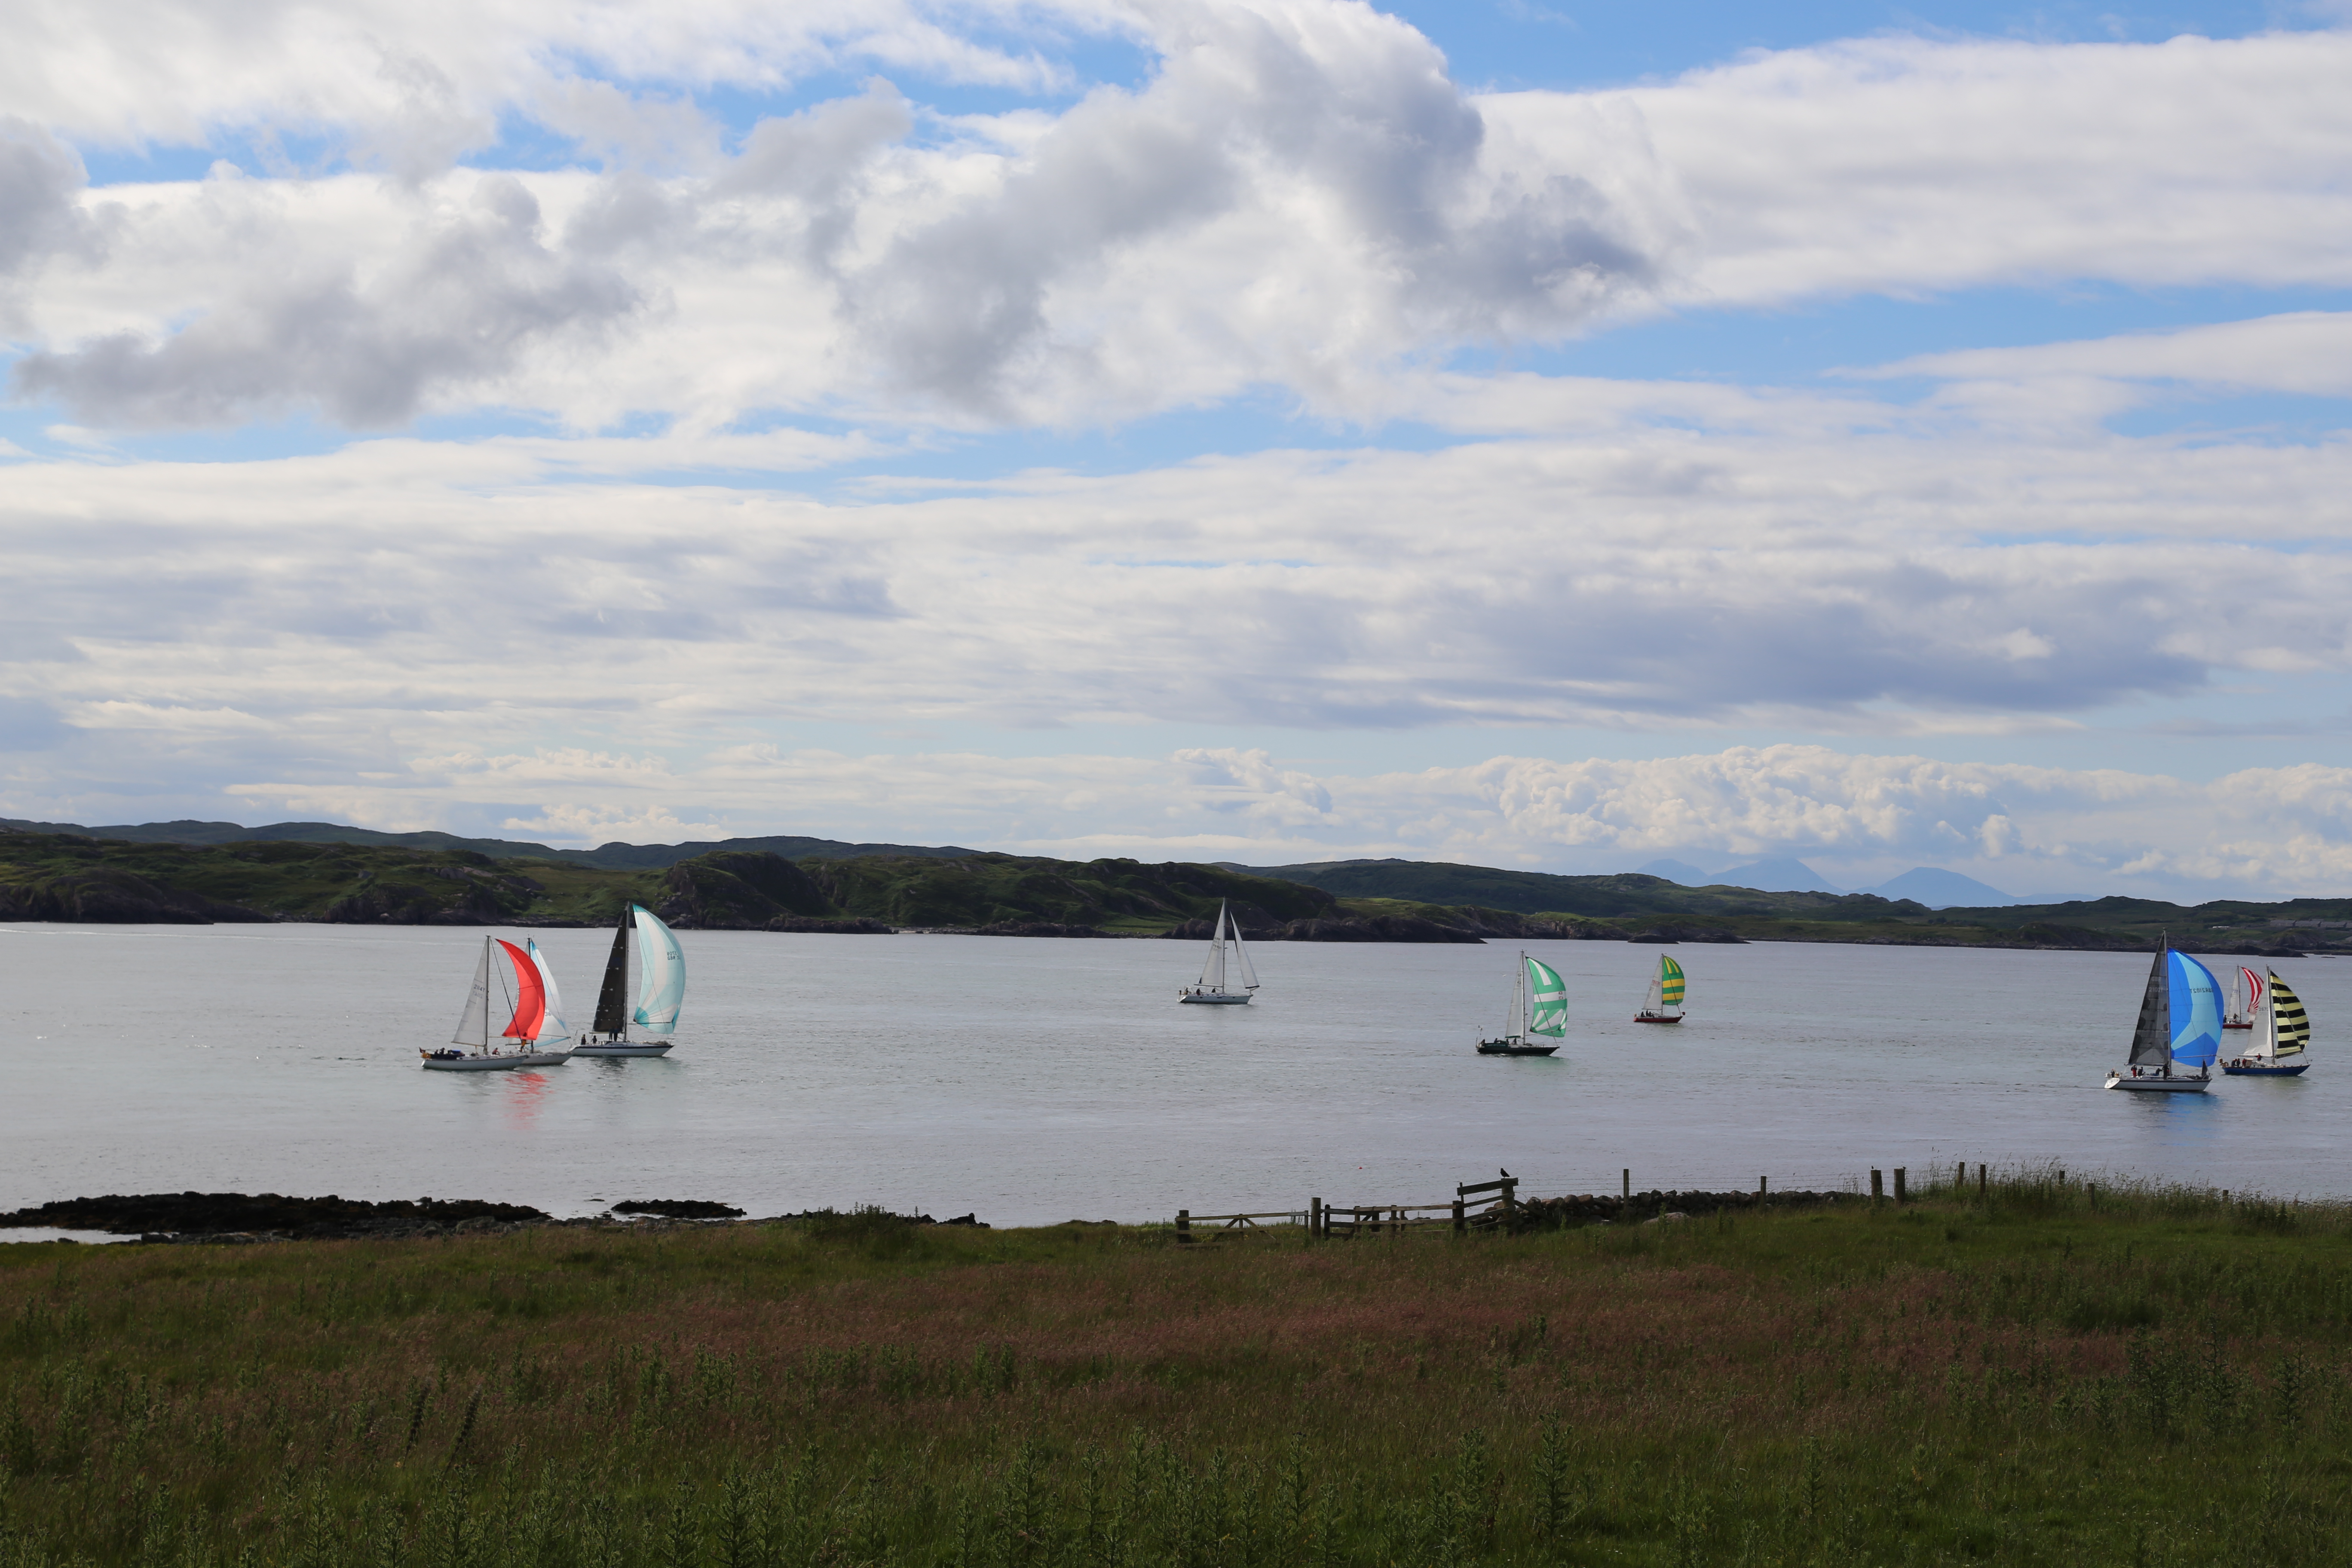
469 289
2263 832
1297 196
1867 586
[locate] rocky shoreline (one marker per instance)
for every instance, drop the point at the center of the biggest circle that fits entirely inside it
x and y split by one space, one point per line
239 1218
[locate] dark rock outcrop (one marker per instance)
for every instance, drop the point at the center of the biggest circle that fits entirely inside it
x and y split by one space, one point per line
845 925
222 1213
1036 928
738 890
1671 935
109 896
679 1208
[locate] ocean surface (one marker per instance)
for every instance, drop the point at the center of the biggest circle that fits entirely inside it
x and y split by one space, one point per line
1032 1081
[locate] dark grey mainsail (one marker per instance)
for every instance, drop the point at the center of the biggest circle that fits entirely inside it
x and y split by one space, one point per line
611 1004
2152 1040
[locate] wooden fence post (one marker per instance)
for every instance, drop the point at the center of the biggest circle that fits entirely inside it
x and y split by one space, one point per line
1629 1184
1980 1181
1902 1193
1183 1225
1763 1185
1314 1218
1877 1185
1460 1224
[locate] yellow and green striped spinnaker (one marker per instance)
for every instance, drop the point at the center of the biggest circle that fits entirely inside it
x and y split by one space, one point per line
1670 982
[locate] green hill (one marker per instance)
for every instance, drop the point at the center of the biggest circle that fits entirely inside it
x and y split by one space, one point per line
743 885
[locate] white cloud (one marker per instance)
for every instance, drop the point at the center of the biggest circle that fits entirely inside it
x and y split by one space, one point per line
1298 197
2301 350
2265 832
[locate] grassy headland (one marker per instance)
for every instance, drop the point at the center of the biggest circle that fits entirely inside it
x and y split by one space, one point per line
2036 1377
48 875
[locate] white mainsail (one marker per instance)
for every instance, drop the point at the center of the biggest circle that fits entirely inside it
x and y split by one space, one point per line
474 1023
1212 974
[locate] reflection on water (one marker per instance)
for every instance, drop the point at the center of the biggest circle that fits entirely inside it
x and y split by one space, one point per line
527 1089
1041 1080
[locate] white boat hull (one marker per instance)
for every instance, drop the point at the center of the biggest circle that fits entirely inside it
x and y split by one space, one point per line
505 1063
2159 1085
1212 998
624 1049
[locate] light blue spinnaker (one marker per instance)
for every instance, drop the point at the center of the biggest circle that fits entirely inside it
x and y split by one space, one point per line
2196 1012
1546 1000
662 989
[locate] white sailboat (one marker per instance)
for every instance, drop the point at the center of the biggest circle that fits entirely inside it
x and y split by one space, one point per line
535 1035
661 991
1212 988
2245 999
2284 1033
2179 1025
1538 1006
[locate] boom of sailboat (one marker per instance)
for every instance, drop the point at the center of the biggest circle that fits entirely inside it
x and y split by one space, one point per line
661 990
2174 1045
2181 1022
517 982
534 1035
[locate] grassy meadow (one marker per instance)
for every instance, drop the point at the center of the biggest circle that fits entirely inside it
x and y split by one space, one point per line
2041 1376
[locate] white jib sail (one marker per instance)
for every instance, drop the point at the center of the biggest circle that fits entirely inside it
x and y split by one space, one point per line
1241 956
662 990
554 1033
474 1023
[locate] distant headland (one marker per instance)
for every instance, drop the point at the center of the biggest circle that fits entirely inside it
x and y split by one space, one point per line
199 872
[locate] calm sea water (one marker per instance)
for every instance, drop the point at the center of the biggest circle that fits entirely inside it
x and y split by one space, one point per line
1039 1080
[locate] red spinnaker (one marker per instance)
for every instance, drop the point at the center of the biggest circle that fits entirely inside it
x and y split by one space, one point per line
530 1006
2253 989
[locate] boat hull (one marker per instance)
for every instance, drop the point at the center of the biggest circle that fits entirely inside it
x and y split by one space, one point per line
1657 1017
624 1049
1512 1048
506 1063
2159 1085
2237 1026
2293 1070
1213 998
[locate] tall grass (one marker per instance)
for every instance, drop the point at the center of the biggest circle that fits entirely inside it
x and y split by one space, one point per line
2144 1376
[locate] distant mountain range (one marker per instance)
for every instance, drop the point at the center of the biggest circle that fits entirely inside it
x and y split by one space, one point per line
1929 885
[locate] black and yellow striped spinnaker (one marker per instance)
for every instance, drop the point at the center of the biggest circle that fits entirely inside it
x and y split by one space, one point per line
2294 1022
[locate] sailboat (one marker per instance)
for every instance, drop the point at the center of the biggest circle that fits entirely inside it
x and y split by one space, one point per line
1665 992
2246 1000
2179 1025
2285 1032
1538 1006
1212 989
661 990
535 1035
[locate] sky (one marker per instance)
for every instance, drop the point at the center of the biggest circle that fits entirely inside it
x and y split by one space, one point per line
1547 436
